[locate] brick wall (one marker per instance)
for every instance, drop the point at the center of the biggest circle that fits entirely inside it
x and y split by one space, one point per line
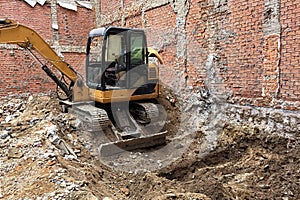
38 18
74 26
290 50
245 50
159 24
21 73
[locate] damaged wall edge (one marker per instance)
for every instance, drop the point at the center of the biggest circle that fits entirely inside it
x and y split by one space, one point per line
67 4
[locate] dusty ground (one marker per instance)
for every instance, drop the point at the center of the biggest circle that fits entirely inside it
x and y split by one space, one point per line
44 155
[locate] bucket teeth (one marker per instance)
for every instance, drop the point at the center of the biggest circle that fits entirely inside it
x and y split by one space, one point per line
112 148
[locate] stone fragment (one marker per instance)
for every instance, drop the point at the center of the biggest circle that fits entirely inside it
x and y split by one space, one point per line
51 162
85 195
4 134
14 153
8 118
126 191
277 117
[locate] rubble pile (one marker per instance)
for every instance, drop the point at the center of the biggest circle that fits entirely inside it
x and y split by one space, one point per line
45 155
38 144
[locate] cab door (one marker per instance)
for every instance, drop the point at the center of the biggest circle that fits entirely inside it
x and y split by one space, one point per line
137 65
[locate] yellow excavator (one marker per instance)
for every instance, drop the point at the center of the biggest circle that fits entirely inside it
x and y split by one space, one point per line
117 95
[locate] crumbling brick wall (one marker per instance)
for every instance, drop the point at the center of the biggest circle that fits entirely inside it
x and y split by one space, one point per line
290 50
64 29
247 51
244 50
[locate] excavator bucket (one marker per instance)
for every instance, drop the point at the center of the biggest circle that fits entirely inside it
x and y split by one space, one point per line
142 142
130 131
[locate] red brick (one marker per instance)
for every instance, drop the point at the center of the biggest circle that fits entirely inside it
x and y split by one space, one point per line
245 55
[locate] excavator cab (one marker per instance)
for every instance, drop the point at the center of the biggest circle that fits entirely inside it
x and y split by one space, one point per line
116 58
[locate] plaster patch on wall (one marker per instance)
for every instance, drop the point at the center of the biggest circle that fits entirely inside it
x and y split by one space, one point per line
54 23
68 4
271 23
272 47
137 8
31 2
214 81
96 5
181 8
71 5
85 4
41 2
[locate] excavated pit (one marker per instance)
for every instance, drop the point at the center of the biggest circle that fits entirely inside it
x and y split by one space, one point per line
44 156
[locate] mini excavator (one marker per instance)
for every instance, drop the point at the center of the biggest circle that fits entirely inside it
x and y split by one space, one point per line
117 95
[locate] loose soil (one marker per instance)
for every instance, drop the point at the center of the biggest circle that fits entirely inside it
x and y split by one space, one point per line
245 164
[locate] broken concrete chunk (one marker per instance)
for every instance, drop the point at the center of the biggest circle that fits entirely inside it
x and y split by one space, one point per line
8 118
85 195
107 198
51 130
4 134
14 153
59 143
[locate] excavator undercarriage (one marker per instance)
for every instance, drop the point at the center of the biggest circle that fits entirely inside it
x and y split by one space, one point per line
124 128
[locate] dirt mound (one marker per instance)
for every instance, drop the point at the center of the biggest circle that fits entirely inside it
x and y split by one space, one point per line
246 164
44 156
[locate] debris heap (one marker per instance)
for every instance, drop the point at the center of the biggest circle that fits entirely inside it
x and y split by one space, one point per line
43 155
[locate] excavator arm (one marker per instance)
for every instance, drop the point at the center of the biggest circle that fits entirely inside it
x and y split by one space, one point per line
12 32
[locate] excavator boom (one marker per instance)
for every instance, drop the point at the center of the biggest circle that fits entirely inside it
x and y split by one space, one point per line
12 32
